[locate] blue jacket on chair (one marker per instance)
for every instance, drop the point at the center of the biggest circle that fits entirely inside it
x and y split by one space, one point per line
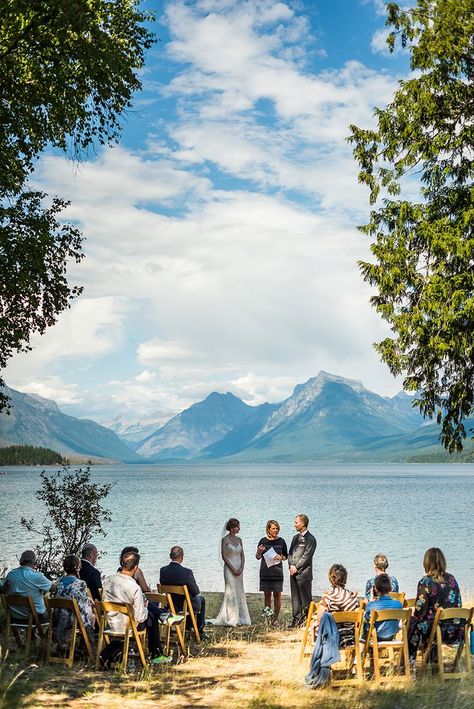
325 653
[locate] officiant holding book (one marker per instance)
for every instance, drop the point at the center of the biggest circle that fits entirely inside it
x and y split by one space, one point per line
272 550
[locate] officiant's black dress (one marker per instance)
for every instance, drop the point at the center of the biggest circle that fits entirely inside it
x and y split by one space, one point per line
271 577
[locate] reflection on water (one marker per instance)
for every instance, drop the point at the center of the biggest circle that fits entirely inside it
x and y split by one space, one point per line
355 512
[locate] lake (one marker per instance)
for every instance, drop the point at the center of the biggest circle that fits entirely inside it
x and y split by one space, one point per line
355 512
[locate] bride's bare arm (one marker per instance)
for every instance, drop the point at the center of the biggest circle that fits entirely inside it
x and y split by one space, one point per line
242 560
225 558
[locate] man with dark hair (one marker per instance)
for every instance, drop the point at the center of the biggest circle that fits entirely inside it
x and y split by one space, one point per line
89 573
122 588
25 581
300 560
175 574
386 629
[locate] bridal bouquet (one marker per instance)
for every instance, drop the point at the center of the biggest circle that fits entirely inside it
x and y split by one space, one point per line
267 612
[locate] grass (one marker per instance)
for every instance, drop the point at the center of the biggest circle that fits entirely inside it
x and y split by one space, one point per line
250 668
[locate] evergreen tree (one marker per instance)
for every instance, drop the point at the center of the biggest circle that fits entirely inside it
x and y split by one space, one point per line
423 248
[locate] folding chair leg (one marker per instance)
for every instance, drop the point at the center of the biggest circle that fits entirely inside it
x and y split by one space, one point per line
439 650
126 644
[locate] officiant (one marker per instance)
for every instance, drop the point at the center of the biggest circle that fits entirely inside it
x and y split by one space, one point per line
272 550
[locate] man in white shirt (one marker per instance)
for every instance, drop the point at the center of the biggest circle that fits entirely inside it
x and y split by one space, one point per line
122 588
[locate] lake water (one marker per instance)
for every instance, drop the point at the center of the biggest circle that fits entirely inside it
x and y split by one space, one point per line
355 512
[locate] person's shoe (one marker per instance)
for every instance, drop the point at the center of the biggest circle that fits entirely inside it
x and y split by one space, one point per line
161 660
174 619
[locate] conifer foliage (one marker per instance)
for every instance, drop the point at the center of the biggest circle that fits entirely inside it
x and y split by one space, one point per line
423 247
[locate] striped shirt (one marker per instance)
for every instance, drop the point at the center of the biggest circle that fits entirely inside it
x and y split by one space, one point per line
340 599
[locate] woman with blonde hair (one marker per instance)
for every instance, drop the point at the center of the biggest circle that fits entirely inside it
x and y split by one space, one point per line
437 589
271 575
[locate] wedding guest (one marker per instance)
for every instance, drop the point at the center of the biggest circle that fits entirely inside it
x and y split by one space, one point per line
25 581
437 589
89 573
381 566
386 629
338 599
71 586
139 576
175 574
271 577
300 560
122 588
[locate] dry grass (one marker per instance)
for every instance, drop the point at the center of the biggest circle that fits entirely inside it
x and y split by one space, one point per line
252 668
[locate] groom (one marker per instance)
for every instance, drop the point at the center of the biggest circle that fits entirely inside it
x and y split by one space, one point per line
300 559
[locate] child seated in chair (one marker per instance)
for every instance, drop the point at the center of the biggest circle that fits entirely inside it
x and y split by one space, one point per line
386 629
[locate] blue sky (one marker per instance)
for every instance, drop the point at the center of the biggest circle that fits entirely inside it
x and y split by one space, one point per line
222 247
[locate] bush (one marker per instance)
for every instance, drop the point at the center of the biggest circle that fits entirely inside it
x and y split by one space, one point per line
74 515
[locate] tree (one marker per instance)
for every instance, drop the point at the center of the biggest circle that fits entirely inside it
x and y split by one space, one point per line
74 514
423 267
68 72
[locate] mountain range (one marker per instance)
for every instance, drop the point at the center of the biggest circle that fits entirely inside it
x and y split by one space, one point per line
328 419
36 421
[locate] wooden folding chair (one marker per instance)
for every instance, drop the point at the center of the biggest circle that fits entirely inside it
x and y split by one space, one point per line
398 596
409 602
398 645
164 600
443 614
350 664
182 591
78 629
307 634
13 624
106 634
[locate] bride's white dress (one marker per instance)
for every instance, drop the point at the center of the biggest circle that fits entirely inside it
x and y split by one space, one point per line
234 609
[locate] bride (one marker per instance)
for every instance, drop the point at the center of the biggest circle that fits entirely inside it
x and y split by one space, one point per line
234 609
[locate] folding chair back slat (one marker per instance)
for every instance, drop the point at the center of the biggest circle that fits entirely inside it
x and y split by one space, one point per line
398 596
77 628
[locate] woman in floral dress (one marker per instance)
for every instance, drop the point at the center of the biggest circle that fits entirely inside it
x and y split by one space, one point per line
437 589
71 586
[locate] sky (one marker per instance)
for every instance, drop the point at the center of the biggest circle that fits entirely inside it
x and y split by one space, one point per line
221 233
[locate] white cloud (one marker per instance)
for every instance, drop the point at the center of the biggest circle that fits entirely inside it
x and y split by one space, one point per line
247 283
55 389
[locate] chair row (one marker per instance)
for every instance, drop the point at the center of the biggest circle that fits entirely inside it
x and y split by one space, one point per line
391 657
44 630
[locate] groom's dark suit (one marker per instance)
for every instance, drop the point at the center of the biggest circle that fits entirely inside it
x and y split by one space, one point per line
300 555
177 575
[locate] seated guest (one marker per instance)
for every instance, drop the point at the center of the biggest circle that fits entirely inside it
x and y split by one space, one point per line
25 581
122 588
89 573
139 576
386 629
437 589
338 599
71 586
175 574
381 566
